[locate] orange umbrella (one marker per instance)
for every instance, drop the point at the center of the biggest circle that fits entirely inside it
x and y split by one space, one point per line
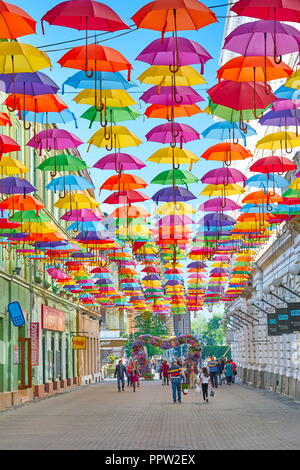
123 182
250 69
37 104
100 59
261 197
21 203
5 120
129 211
175 15
15 22
166 112
226 152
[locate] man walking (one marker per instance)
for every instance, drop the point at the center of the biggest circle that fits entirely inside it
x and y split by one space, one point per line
234 370
120 373
213 371
176 372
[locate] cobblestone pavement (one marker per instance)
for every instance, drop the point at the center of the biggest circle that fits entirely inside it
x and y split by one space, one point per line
98 417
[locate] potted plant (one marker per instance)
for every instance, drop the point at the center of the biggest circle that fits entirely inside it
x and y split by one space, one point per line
47 284
148 376
38 280
55 289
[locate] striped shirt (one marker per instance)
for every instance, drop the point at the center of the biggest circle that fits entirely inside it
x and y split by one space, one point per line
175 371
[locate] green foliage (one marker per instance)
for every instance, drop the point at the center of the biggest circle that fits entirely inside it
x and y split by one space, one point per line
151 325
209 332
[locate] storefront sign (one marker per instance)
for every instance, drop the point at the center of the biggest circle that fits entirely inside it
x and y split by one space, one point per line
53 319
35 343
272 321
284 320
79 342
295 315
16 355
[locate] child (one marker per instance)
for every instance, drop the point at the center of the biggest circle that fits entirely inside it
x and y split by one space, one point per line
205 380
134 377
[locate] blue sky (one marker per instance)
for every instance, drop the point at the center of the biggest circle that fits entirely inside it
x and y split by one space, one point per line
130 45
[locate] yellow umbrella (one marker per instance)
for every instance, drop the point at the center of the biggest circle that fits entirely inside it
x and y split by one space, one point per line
220 264
110 98
39 227
294 80
295 184
118 136
172 265
215 190
279 140
16 57
172 208
175 155
160 75
10 166
76 201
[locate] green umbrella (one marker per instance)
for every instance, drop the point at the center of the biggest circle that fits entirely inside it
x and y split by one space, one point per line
169 177
62 162
292 193
112 114
231 115
29 216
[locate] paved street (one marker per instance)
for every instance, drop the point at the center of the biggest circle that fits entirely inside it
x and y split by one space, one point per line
98 417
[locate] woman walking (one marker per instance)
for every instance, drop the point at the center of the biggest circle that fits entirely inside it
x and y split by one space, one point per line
128 369
165 373
228 372
205 381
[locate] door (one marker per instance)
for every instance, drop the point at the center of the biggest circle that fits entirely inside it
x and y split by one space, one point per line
25 363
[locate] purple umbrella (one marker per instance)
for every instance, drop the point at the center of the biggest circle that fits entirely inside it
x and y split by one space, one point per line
175 220
172 132
151 277
82 215
217 219
219 204
282 118
104 281
54 139
93 236
258 39
33 84
162 52
220 271
171 194
167 95
223 176
119 162
172 283
196 265
221 258
14 185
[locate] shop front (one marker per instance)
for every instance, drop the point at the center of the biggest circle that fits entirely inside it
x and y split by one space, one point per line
88 327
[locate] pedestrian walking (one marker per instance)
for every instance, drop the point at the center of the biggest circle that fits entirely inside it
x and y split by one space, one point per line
176 374
213 371
205 381
165 373
234 370
193 374
136 367
134 377
228 372
128 370
220 366
120 373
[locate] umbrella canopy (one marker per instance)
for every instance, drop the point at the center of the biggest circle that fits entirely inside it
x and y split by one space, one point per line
176 156
279 140
173 194
174 177
223 176
178 16
119 135
21 203
226 152
113 114
106 81
16 57
162 76
76 201
34 84
219 205
172 132
55 139
125 197
15 185
251 69
279 10
36 104
119 162
123 182
165 112
215 190
241 95
15 22
10 166
7 144
273 164
168 95
70 183
85 15
63 162
225 131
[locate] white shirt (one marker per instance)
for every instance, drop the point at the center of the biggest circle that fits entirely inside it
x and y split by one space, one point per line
204 380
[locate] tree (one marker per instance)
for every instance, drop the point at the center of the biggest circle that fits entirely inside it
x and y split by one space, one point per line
151 325
209 332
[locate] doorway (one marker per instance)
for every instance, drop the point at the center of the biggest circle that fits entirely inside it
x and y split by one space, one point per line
25 364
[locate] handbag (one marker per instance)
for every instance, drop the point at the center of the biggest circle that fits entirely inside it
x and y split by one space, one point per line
212 393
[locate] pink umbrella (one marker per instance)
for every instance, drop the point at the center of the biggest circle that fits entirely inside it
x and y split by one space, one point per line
119 162
172 133
82 215
167 95
219 204
54 139
172 220
57 274
162 52
223 176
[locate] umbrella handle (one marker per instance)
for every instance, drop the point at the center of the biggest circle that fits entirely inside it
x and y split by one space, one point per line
26 127
87 73
15 87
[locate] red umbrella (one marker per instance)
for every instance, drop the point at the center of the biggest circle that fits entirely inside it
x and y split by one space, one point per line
7 144
278 10
273 164
125 197
241 95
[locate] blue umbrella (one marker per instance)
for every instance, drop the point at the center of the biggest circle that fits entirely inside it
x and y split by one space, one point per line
83 226
105 81
49 118
227 130
256 208
286 209
286 93
266 181
71 182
